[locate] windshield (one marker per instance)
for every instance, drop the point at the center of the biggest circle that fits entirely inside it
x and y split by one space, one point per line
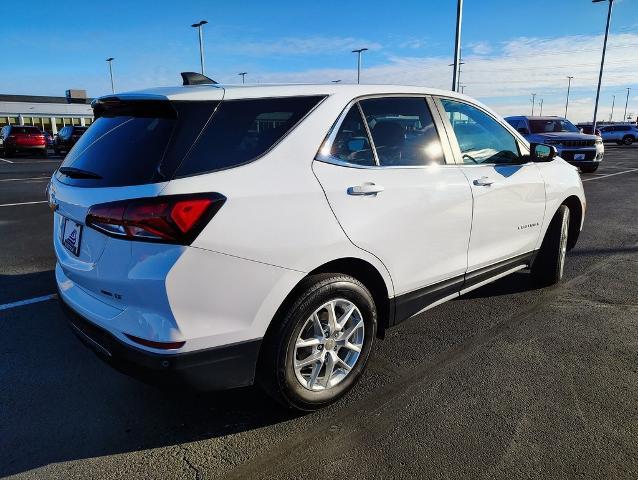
553 125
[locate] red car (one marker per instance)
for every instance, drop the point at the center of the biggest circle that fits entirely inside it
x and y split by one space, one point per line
17 139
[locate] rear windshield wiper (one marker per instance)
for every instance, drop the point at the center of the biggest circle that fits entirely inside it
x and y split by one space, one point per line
73 172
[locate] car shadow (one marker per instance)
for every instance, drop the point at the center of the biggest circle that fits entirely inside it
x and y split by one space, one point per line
59 402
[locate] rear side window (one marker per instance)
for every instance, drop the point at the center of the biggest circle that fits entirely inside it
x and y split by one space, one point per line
403 131
351 143
243 130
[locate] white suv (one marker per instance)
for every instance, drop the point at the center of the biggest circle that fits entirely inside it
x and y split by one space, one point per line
230 235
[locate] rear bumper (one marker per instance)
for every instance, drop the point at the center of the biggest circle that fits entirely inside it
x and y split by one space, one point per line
217 368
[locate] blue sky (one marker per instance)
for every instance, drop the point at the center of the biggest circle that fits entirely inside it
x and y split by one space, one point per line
512 48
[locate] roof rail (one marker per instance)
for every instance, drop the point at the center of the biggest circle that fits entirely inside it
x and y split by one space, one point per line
194 78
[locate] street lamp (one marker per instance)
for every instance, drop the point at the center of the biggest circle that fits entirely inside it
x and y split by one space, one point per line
613 104
109 61
358 52
243 76
457 47
624 118
541 114
569 84
533 102
199 26
602 60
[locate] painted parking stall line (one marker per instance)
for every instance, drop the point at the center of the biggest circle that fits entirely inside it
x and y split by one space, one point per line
22 203
26 178
30 301
5 160
610 175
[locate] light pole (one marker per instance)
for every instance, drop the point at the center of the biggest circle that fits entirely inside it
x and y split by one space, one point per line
541 114
462 88
569 84
243 76
457 47
109 60
199 26
533 102
624 118
613 104
602 60
358 52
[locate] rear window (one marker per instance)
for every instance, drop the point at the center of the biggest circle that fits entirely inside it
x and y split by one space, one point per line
242 130
28 130
138 142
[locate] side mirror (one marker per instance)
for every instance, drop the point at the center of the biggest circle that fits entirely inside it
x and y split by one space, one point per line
542 153
523 131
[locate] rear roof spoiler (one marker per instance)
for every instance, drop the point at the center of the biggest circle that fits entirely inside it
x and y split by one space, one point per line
194 78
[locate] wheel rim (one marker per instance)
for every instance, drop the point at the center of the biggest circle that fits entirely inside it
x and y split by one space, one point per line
563 243
329 345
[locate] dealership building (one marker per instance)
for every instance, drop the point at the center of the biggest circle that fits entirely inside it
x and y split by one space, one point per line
46 113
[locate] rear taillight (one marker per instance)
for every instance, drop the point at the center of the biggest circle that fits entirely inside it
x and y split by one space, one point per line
169 219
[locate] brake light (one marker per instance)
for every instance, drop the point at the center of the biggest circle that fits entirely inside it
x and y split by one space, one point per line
169 219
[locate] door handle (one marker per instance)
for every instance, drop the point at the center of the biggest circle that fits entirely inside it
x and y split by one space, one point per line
367 188
483 182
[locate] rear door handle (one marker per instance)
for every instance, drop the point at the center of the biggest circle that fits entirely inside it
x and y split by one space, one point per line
483 182
367 188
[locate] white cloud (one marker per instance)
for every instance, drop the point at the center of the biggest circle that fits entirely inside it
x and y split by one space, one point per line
506 78
480 48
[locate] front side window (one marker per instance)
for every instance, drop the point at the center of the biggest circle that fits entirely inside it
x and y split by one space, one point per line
403 131
481 138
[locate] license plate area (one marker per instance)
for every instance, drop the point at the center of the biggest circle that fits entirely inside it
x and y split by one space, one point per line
579 156
71 236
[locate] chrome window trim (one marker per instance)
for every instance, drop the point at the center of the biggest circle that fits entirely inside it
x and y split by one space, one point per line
448 155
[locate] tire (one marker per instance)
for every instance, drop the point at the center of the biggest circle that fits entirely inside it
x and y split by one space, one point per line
8 153
589 169
628 140
547 268
44 153
56 151
309 388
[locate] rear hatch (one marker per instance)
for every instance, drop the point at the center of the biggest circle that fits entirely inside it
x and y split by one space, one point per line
129 152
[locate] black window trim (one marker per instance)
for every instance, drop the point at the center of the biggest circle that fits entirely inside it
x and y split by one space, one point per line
523 145
448 154
267 151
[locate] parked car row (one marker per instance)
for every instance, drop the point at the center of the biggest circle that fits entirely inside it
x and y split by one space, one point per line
16 139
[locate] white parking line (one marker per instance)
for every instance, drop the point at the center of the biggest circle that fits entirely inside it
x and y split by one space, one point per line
4 160
26 178
20 303
22 203
611 175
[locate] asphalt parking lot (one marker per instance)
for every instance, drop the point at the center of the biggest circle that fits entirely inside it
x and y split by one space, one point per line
506 382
